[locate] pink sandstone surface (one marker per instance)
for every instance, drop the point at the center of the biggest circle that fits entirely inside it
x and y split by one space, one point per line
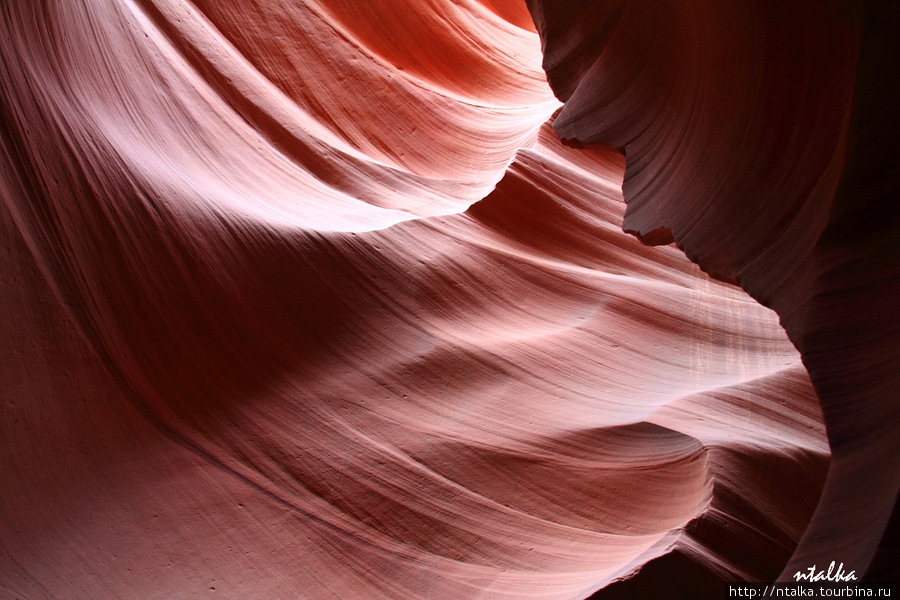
310 300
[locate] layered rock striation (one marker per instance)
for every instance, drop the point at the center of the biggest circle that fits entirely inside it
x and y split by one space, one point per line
309 300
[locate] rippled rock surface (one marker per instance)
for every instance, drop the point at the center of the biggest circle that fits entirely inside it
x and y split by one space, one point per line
309 300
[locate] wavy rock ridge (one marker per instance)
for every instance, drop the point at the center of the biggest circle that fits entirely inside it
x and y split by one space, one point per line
308 300
757 138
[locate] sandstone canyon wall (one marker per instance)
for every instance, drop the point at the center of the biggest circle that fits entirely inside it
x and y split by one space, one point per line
309 300
760 139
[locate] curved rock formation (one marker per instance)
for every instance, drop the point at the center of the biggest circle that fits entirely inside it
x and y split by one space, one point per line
308 300
756 137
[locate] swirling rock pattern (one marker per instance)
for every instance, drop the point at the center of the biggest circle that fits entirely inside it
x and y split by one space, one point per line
308 300
756 138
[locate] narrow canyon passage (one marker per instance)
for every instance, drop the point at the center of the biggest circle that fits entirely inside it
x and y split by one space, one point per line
310 300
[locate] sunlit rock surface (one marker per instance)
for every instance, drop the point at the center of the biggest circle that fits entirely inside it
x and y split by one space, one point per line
307 300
